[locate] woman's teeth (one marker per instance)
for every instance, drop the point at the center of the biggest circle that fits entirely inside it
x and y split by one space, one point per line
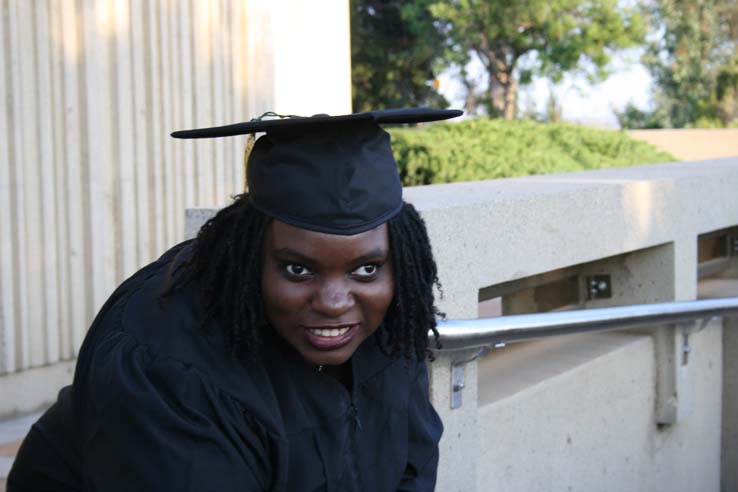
329 332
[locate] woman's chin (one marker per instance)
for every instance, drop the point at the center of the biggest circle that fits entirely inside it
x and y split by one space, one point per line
318 348
328 358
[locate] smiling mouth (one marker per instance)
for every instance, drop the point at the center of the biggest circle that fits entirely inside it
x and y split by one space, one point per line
330 337
329 332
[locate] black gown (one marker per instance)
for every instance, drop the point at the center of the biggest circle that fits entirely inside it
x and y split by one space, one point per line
156 404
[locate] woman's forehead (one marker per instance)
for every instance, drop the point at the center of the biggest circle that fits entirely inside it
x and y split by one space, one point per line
282 236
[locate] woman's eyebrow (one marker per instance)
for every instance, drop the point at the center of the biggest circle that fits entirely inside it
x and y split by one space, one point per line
291 253
374 255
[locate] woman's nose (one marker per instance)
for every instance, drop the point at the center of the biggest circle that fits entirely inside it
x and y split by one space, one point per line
333 298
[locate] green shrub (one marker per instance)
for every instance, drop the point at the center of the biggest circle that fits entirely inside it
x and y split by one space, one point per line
487 148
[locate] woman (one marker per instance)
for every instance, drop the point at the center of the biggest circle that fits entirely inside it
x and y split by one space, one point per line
283 349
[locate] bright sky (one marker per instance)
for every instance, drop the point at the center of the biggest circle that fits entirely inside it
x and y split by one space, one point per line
580 101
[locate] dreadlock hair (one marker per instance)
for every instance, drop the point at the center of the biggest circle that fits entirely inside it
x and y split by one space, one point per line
226 265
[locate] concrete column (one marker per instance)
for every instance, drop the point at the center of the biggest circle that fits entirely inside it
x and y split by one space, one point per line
675 384
659 274
729 454
459 448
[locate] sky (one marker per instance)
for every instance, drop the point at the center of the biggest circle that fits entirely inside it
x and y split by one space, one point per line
581 101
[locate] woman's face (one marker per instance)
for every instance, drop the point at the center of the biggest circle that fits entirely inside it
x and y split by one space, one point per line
324 293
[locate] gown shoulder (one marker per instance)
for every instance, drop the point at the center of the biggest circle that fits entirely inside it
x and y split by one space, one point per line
151 420
156 404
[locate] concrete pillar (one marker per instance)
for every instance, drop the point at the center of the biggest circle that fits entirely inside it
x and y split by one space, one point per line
659 274
459 448
729 445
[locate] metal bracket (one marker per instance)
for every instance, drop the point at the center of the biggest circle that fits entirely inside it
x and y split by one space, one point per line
599 287
457 377
675 378
687 329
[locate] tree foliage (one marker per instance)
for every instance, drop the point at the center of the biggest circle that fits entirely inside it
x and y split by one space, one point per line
634 117
694 62
554 36
395 51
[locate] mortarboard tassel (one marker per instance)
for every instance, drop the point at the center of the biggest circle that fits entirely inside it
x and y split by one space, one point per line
250 141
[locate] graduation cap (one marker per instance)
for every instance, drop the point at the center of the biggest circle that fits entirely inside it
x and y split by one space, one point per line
332 174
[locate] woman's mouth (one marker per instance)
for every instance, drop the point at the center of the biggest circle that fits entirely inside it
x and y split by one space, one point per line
329 332
330 337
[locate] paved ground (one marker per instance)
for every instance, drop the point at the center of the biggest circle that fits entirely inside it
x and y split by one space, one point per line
11 434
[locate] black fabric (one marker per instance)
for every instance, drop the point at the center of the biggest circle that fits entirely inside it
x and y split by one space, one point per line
332 174
158 405
339 181
319 121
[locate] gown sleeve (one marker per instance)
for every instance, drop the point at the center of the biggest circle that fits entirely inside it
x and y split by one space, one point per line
153 423
424 433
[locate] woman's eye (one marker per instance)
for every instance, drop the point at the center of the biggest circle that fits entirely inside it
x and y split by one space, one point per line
297 270
366 270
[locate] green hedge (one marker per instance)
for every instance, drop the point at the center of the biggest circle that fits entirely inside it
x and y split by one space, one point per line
487 148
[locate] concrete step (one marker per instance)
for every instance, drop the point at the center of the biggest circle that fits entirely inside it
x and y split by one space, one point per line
12 432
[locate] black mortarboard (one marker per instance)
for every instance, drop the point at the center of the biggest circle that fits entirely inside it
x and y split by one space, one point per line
333 174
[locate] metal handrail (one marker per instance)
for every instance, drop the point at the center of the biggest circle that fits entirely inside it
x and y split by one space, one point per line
484 332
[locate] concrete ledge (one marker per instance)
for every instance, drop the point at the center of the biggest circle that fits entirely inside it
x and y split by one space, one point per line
11 433
489 232
33 389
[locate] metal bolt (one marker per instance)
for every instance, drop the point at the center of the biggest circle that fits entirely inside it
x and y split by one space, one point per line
685 349
459 386
599 286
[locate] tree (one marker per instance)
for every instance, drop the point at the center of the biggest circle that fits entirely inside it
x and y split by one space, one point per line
694 64
634 117
726 92
552 36
395 51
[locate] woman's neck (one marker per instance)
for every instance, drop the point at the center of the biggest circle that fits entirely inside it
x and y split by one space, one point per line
342 373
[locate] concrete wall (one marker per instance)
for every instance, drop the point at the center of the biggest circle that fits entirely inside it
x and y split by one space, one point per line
692 143
91 185
528 226
598 412
582 417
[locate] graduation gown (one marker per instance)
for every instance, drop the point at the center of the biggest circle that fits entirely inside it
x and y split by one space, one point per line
157 404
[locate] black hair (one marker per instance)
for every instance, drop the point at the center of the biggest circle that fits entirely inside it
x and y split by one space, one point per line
226 264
